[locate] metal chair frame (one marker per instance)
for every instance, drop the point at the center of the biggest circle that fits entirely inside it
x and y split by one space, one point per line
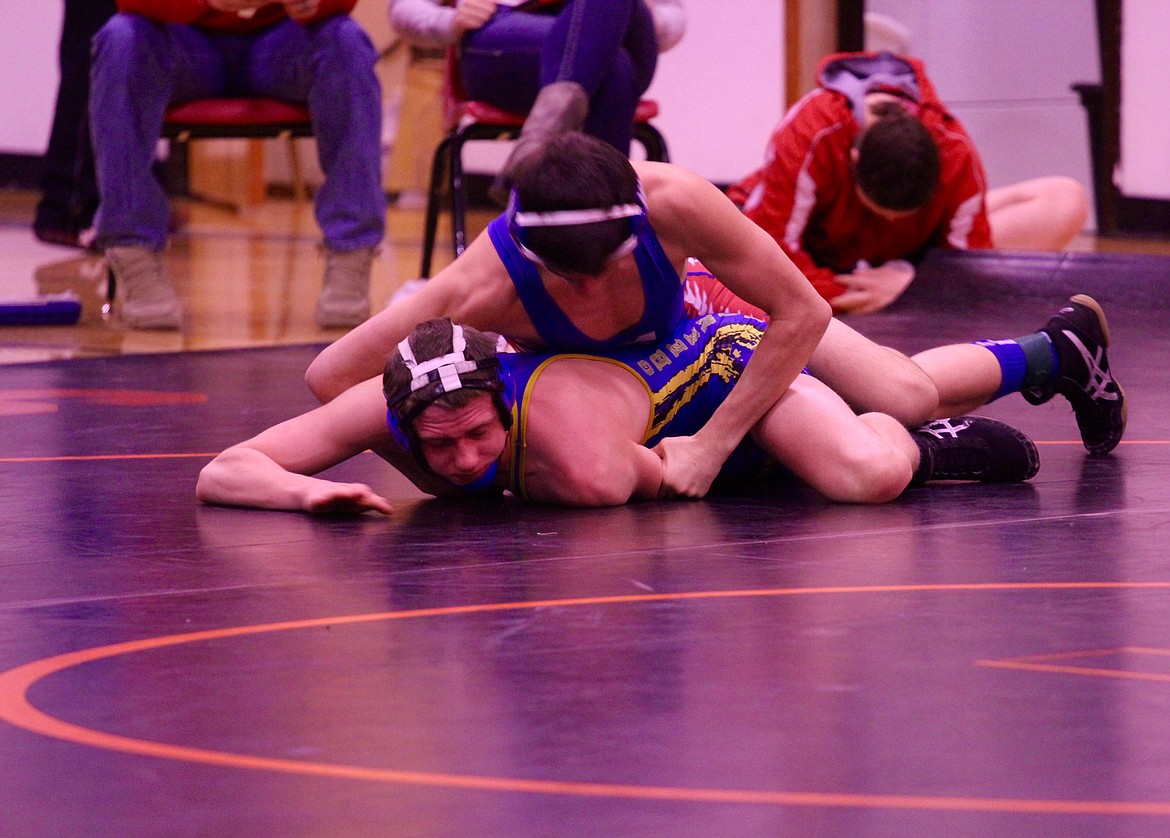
469 120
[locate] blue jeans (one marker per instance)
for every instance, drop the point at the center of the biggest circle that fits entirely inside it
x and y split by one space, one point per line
606 46
142 66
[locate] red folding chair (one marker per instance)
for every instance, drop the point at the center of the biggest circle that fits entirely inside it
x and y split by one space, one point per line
467 120
240 118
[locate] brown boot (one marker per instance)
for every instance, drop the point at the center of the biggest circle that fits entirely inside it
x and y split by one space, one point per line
145 298
559 108
345 295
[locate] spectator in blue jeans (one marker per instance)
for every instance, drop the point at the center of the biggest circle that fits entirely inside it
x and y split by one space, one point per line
570 65
156 53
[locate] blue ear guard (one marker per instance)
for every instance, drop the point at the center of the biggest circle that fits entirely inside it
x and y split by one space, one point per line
398 434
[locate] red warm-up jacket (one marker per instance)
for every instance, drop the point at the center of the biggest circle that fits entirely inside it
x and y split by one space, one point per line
804 195
199 13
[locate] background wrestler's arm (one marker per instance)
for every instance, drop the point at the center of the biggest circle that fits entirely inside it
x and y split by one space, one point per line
962 191
460 291
872 289
689 213
273 469
799 162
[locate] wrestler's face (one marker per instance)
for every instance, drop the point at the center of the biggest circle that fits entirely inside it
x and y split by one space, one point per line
460 444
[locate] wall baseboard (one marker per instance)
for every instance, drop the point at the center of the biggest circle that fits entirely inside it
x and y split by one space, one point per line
20 171
1143 216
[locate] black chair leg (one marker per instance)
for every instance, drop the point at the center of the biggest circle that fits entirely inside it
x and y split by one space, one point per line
653 141
111 292
458 195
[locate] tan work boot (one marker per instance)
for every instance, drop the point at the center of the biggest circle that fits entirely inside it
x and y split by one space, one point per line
345 295
145 298
559 108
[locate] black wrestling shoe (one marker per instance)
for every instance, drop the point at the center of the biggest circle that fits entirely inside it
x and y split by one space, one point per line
974 448
1080 334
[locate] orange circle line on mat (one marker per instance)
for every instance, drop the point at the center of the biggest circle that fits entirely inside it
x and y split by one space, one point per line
85 457
16 709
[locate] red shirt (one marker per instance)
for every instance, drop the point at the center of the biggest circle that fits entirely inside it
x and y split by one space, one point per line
199 13
805 197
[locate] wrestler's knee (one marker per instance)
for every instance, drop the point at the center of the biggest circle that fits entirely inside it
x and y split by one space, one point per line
866 470
342 44
903 391
124 38
1072 203
915 398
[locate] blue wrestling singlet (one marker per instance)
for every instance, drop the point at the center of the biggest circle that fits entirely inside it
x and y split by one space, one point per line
688 376
661 288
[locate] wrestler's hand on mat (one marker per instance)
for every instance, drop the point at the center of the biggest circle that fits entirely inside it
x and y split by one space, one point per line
688 469
872 289
472 14
328 498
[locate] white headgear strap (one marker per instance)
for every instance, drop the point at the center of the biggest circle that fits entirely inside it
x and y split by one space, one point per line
563 218
448 366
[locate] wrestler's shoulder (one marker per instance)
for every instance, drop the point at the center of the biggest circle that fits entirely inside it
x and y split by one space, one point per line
673 194
658 177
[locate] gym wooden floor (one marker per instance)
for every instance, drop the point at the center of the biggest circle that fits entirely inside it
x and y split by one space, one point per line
966 661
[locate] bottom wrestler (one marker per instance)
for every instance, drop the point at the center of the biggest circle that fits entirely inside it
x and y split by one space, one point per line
577 430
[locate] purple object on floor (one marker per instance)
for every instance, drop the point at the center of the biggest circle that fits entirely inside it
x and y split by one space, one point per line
59 310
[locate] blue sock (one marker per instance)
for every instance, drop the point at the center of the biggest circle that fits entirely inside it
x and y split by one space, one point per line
1026 363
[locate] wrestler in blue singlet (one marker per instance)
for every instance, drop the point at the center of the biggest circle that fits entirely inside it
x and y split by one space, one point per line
661 287
687 377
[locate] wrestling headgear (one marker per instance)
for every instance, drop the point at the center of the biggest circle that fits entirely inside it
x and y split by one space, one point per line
520 222
439 358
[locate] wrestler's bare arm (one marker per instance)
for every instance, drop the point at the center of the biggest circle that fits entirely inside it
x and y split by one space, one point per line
473 290
693 218
601 461
274 469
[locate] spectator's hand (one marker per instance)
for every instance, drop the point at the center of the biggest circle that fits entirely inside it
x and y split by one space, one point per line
237 6
301 10
872 289
472 14
688 469
328 498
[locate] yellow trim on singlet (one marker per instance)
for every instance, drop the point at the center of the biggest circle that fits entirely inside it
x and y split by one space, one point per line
712 361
